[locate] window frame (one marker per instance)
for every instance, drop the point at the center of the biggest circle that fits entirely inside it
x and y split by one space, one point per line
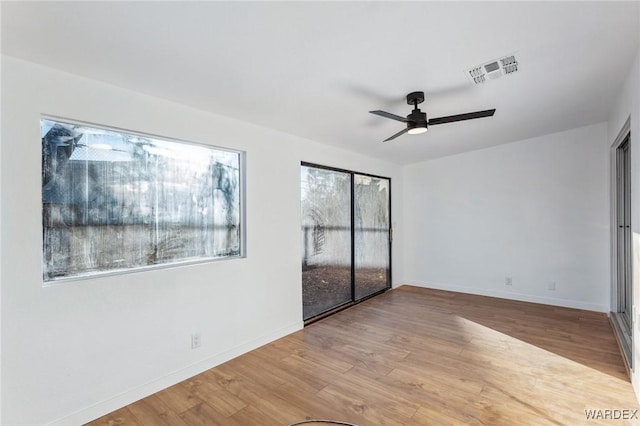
151 267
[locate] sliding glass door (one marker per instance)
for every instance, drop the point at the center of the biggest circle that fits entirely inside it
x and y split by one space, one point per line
372 235
622 317
326 239
346 245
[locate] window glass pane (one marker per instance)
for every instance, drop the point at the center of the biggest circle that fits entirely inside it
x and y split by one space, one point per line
326 239
114 201
371 233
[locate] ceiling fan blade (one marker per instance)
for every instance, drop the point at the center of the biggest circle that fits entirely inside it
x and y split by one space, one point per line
461 117
389 115
400 133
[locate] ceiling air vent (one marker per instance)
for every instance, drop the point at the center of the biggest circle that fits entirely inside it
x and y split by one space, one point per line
493 69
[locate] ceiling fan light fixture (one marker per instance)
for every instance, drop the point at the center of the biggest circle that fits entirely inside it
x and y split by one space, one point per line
417 129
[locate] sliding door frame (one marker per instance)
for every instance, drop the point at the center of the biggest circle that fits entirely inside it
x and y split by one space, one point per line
353 242
621 259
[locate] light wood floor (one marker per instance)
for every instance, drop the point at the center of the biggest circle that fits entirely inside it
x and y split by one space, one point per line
412 356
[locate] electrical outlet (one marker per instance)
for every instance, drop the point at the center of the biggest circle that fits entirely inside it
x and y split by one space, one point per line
507 281
552 286
196 341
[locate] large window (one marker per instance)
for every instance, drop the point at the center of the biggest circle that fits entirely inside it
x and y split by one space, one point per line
113 201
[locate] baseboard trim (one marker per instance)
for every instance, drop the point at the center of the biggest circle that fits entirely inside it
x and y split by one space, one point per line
576 304
128 397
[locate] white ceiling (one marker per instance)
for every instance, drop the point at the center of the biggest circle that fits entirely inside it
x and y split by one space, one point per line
315 69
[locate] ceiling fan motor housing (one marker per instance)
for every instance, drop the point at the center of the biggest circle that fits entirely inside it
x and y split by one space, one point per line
417 118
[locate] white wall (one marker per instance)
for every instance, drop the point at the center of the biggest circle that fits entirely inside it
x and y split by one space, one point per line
535 210
74 351
628 106
0 247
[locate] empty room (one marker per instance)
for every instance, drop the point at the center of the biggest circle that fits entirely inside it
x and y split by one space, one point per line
351 213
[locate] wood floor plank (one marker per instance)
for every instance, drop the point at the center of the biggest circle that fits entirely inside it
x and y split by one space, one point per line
412 356
311 404
122 416
203 414
152 410
213 395
178 398
251 415
365 413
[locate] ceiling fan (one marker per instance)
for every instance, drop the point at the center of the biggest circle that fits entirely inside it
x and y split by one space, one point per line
417 121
